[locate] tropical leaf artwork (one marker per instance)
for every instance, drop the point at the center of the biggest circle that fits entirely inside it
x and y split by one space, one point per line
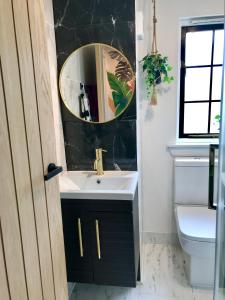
121 92
123 69
116 55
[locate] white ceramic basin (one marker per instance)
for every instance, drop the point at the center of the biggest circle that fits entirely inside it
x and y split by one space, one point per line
114 185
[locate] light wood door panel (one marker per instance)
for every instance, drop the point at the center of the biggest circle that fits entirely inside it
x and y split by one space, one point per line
40 55
25 54
31 244
10 232
18 138
4 287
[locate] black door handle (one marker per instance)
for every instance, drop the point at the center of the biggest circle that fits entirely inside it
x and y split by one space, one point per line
53 170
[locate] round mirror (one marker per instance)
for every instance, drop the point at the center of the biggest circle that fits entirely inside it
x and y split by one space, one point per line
96 83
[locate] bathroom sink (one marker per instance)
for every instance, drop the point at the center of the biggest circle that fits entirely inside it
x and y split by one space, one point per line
113 185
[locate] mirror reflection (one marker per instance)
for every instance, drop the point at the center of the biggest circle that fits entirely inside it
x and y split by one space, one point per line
97 83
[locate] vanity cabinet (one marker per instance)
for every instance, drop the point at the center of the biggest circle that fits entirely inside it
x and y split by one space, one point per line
77 227
101 241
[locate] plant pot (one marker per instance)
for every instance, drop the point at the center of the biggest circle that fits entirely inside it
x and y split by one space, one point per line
158 78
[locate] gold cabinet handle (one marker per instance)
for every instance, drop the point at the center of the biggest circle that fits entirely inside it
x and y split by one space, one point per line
80 238
98 239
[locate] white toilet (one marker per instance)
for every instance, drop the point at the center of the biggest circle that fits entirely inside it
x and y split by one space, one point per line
196 224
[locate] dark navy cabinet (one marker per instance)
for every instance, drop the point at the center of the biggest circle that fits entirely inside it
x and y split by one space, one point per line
101 241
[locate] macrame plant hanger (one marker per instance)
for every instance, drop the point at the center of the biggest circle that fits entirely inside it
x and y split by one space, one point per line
154 51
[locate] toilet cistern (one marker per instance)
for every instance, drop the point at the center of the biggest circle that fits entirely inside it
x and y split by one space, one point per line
98 163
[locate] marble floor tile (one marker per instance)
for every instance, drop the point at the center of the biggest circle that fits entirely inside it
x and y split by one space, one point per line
164 278
70 287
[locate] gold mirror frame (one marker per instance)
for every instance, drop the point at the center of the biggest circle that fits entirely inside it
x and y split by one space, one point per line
60 82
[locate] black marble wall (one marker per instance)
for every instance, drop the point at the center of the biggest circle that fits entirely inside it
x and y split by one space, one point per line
77 23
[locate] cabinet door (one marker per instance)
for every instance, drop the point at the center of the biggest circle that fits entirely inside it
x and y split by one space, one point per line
113 248
77 238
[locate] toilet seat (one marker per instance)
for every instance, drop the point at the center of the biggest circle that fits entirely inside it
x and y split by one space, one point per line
197 223
196 230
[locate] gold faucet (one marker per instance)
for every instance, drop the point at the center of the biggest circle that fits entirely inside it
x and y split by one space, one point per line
98 163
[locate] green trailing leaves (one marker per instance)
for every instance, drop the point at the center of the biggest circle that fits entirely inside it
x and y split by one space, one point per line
217 118
156 69
121 93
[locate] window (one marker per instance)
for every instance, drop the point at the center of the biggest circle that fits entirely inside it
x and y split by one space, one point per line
200 80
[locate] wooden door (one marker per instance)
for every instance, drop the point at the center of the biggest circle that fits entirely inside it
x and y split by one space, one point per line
32 262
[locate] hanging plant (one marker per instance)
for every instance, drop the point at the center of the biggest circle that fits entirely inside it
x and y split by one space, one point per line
155 66
156 69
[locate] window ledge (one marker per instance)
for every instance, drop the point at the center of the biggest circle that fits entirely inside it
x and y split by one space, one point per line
197 148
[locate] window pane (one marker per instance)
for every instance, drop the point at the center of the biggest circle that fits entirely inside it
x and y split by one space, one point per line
196 117
218 47
217 83
197 84
198 48
215 110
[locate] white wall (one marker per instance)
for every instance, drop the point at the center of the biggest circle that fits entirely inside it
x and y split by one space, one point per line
157 125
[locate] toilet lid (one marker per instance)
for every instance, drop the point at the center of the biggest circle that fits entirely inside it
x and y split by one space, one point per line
197 223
